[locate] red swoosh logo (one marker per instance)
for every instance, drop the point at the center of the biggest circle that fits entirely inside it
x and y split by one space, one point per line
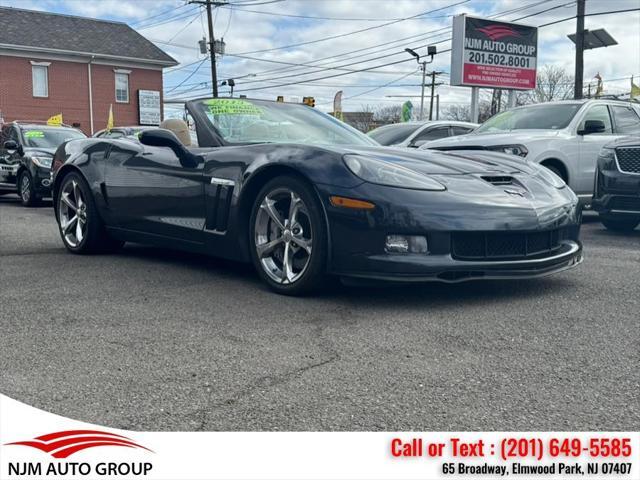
66 443
496 32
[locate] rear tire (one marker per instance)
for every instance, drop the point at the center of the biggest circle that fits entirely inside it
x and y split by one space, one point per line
288 236
620 224
81 228
26 190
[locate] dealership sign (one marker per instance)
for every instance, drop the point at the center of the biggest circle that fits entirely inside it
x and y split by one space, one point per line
487 53
149 107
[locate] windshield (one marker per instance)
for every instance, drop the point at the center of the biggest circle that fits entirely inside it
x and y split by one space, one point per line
49 137
392 134
255 121
546 117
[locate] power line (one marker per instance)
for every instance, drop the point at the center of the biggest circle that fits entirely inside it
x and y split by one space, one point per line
189 76
349 54
172 11
183 15
296 66
338 67
353 32
288 15
196 17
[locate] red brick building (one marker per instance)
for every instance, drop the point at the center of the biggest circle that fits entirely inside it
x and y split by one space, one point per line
51 64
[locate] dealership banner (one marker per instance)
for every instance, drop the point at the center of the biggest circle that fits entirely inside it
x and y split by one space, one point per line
487 53
35 444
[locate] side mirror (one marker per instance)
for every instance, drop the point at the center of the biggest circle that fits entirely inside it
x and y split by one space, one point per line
418 143
166 138
11 146
592 126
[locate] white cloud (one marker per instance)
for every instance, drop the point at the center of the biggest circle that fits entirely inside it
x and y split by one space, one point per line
246 31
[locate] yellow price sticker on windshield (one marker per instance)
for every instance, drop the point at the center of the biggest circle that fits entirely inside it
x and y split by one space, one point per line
232 107
34 134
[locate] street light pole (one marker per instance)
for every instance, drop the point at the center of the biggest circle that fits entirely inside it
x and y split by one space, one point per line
431 51
424 75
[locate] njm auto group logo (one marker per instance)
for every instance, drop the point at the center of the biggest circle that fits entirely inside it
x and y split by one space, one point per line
62 445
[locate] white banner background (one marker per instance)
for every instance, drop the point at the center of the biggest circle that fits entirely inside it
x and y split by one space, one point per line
265 455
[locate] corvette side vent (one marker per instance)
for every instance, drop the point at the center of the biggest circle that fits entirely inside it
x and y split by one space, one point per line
499 181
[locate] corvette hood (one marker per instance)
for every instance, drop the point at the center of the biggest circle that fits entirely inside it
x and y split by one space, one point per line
487 139
433 162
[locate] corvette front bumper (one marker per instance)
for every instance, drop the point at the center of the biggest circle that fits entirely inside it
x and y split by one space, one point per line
444 268
467 238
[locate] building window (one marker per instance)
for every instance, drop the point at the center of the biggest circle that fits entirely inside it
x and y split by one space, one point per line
122 87
40 80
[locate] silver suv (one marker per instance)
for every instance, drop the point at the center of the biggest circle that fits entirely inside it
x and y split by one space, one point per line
564 136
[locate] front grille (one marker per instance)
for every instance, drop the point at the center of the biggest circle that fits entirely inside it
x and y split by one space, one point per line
505 245
628 159
625 203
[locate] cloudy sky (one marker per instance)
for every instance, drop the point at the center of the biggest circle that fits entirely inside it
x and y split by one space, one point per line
274 45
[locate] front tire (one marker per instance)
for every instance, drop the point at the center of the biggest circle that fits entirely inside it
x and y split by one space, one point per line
26 190
620 224
288 236
79 222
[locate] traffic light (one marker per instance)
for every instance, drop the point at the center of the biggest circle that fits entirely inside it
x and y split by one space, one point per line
309 101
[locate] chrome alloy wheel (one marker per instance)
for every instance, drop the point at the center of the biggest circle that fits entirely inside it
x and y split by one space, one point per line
283 236
72 212
25 188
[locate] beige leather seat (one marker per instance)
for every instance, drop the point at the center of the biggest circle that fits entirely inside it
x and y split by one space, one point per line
180 128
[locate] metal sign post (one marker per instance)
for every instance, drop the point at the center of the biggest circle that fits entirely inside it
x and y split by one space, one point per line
475 97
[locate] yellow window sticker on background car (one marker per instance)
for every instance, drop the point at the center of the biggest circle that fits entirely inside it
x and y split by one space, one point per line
34 134
232 107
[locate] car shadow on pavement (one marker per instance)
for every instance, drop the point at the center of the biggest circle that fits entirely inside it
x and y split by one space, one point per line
416 294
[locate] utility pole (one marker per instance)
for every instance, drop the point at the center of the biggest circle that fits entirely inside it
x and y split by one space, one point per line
424 74
579 72
212 52
433 86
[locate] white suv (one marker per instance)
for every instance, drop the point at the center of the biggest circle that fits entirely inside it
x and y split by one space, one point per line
564 136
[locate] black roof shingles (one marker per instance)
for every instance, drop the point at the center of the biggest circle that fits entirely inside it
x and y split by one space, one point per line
29 28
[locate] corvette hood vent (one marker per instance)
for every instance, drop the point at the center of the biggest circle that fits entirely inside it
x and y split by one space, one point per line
499 180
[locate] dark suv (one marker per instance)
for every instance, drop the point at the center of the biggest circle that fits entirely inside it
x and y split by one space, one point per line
26 151
617 185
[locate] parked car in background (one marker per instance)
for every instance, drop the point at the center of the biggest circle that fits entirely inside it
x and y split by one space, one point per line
26 152
616 195
565 136
118 132
415 134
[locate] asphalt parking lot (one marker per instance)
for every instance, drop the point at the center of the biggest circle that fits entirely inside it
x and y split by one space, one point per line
149 339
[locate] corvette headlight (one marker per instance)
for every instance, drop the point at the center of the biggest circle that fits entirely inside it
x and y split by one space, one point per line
549 177
44 162
519 150
385 173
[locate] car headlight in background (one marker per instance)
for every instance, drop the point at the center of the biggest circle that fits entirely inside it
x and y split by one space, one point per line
607 158
549 177
389 174
44 162
519 150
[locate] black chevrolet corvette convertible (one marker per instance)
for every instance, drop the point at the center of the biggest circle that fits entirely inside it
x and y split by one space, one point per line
304 196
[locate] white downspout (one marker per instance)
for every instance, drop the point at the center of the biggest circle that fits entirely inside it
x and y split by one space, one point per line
90 95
